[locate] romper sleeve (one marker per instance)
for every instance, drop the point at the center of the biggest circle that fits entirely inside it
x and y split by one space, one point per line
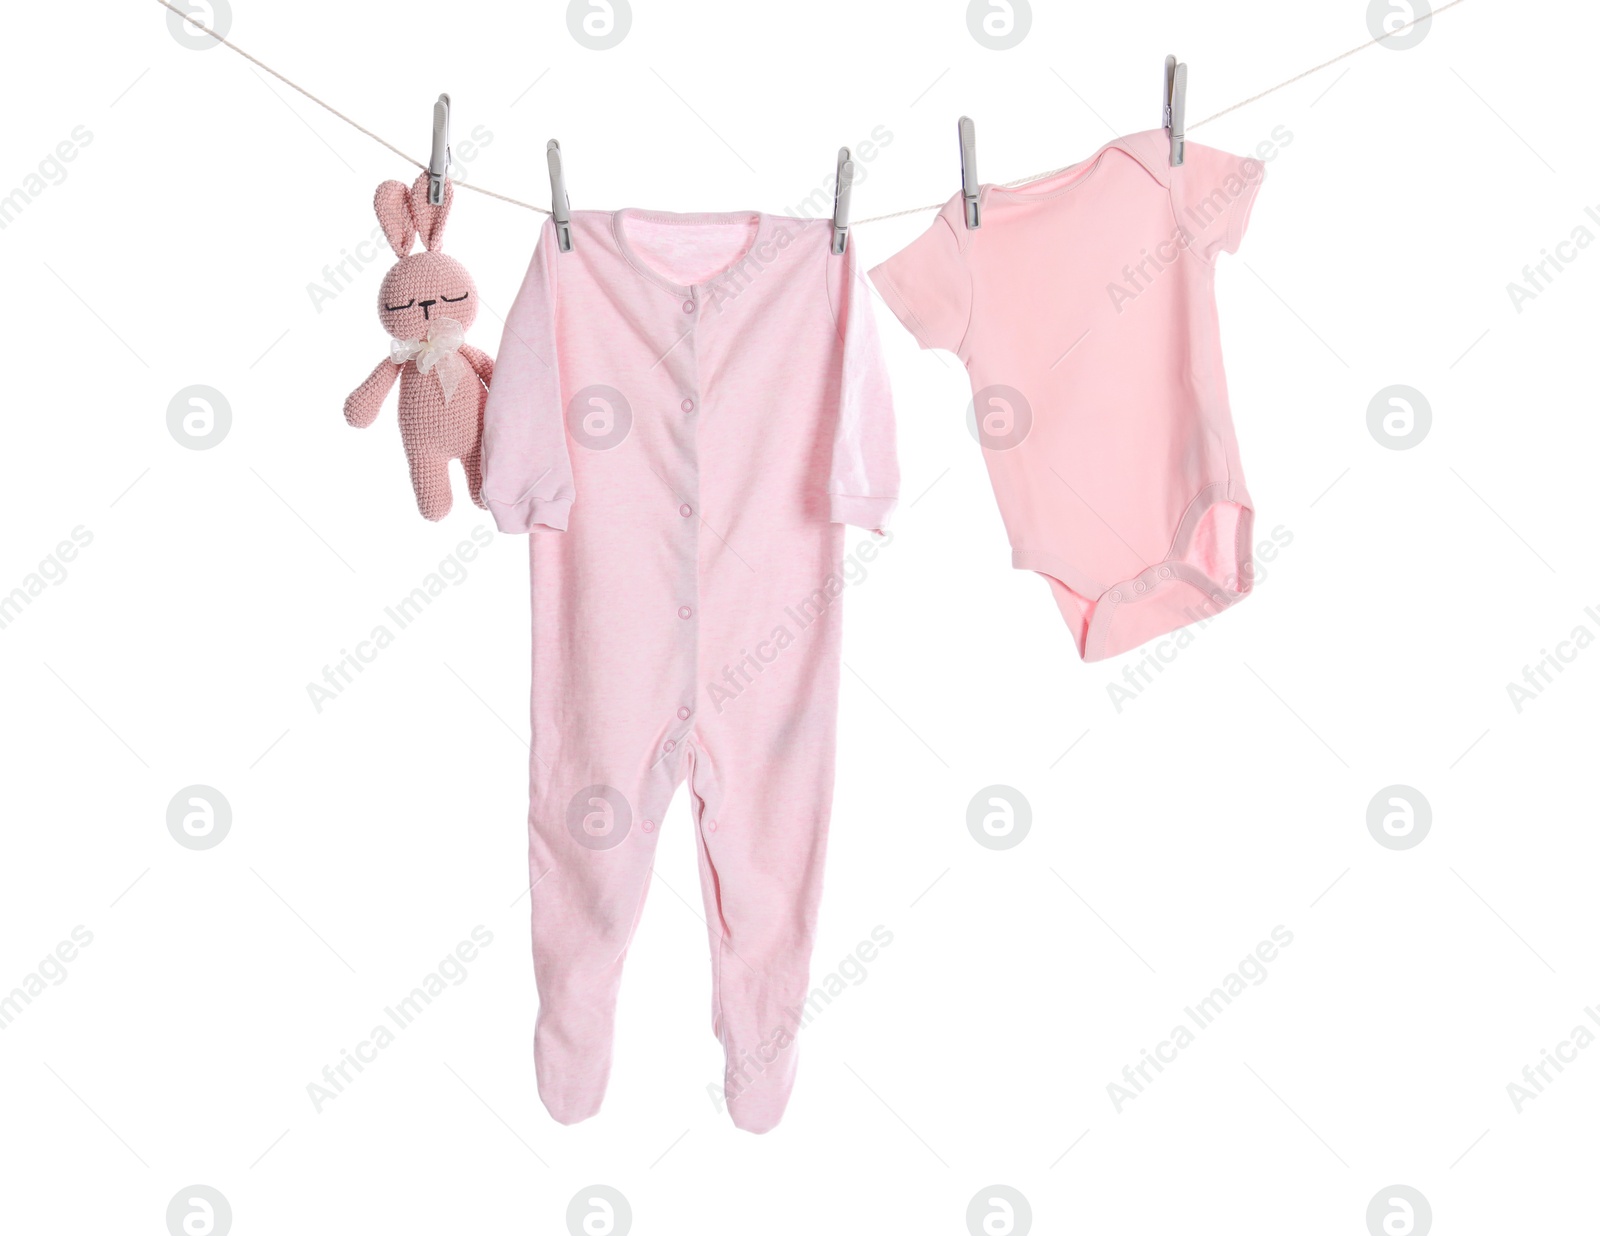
927 283
1212 194
527 473
864 480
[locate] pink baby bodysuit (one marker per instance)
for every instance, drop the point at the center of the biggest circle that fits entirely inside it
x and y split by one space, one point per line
1084 310
685 411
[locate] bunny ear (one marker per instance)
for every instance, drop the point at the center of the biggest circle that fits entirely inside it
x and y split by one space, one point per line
431 219
393 205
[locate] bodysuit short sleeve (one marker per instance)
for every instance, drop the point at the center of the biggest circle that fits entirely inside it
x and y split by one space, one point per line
928 286
1212 193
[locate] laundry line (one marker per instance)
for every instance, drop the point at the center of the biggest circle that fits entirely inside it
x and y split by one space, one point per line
898 214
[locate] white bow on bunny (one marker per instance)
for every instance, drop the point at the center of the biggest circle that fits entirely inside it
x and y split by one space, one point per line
438 351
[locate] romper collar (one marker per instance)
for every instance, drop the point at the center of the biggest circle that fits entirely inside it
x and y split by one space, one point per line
619 233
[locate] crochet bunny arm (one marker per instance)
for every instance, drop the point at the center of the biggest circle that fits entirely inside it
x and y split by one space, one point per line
365 402
482 363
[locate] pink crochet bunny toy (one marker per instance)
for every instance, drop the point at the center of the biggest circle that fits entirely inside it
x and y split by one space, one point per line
426 303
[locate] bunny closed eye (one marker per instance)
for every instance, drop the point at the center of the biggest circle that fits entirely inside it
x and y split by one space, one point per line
449 300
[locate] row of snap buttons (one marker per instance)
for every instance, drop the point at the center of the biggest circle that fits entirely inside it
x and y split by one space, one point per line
1142 586
684 611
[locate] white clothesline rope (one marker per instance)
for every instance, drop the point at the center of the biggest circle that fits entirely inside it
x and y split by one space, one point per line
914 210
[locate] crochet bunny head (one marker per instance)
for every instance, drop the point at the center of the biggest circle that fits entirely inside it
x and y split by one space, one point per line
426 286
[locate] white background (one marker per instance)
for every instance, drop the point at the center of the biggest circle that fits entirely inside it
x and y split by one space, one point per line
1168 837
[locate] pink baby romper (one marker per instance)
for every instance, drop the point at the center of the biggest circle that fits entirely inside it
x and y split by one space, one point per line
685 411
1084 309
